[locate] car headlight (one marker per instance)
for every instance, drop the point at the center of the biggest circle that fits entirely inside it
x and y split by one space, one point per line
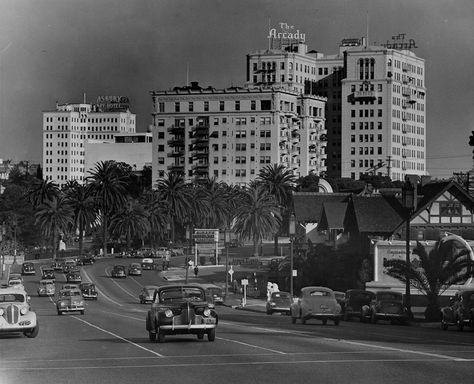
207 312
62 304
24 311
1 311
80 303
169 313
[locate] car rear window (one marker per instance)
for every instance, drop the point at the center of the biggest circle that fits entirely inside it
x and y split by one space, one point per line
12 298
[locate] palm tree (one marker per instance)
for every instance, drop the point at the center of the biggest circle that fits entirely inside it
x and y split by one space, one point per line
439 268
156 211
177 195
41 191
82 204
211 203
279 181
107 186
53 216
258 215
130 221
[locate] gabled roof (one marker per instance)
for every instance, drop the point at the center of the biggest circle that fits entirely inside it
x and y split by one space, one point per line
432 191
308 205
332 215
375 214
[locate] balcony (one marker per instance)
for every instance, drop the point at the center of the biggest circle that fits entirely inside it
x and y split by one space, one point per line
176 142
176 153
411 99
200 130
406 91
365 95
200 169
201 155
176 168
176 130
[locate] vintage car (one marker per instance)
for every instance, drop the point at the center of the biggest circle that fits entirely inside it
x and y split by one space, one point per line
74 277
15 280
70 300
147 294
386 305
316 303
181 309
70 286
57 266
28 268
88 291
134 269
214 293
46 287
147 264
118 271
279 302
86 260
460 312
47 273
354 301
15 313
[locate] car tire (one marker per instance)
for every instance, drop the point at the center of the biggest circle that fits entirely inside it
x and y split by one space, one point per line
346 317
152 336
325 321
200 336
336 321
373 319
161 337
82 312
293 320
459 325
60 313
444 325
33 332
211 335
269 312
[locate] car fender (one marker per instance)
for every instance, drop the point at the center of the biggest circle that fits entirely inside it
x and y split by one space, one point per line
150 321
366 310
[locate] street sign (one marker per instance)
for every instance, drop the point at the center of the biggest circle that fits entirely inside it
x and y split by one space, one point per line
244 282
295 272
230 271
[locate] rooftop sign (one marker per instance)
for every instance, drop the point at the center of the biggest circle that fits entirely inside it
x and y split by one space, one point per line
113 103
399 42
286 32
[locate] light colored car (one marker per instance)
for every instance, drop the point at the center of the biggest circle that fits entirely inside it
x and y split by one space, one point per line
46 287
15 313
146 294
147 264
70 300
15 281
316 303
181 309
279 302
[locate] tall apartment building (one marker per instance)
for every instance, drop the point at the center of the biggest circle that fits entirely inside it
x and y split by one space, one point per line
383 112
67 128
233 133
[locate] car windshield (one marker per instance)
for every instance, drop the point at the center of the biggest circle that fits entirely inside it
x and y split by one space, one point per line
281 295
319 293
182 294
389 296
12 298
361 296
70 293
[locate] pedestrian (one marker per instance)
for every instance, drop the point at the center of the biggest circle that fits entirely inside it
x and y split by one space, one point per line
196 270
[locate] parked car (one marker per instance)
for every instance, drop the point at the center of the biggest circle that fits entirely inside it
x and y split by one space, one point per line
88 291
74 277
46 287
386 305
118 271
354 301
147 264
15 313
134 269
28 268
316 303
70 300
147 293
181 309
47 273
460 312
279 302
69 265
86 260
57 266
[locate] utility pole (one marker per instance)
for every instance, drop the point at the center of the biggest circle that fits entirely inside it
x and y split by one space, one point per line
389 165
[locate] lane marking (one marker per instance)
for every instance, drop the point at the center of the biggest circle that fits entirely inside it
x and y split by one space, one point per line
118 285
403 350
117 336
251 345
213 364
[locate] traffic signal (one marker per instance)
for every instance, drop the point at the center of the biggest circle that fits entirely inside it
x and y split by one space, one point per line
471 139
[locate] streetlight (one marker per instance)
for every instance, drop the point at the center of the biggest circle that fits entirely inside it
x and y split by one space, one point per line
291 231
187 258
226 244
408 201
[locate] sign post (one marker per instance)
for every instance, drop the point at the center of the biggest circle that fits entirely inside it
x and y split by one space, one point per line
244 283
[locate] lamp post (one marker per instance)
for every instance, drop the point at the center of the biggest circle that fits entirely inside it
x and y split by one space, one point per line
226 244
291 231
188 239
408 200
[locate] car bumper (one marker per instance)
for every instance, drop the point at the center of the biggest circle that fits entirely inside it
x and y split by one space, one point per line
74 308
20 326
391 316
89 296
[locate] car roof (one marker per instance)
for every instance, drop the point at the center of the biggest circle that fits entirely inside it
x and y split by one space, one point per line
147 260
205 285
151 287
316 288
47 281
9 290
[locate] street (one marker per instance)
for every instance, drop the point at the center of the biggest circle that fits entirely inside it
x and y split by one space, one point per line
109 344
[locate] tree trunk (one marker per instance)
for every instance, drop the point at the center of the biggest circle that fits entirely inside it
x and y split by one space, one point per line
433 311
81 239
54 245
275 245
104 234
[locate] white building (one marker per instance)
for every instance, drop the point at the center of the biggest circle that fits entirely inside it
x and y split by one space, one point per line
67 128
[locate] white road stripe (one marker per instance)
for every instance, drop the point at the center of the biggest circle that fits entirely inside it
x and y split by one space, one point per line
252 345
118 285
117 336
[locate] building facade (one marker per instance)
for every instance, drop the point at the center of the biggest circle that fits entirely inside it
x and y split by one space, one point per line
67 129
232 133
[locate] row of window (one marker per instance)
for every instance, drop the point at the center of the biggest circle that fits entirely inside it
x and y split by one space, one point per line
98 120
367 138
367 113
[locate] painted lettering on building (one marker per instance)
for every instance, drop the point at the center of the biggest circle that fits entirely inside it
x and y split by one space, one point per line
399 42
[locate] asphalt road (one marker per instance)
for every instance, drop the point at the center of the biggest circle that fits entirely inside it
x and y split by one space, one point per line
109 344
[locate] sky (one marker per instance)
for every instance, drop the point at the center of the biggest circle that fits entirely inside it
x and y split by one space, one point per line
58 50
